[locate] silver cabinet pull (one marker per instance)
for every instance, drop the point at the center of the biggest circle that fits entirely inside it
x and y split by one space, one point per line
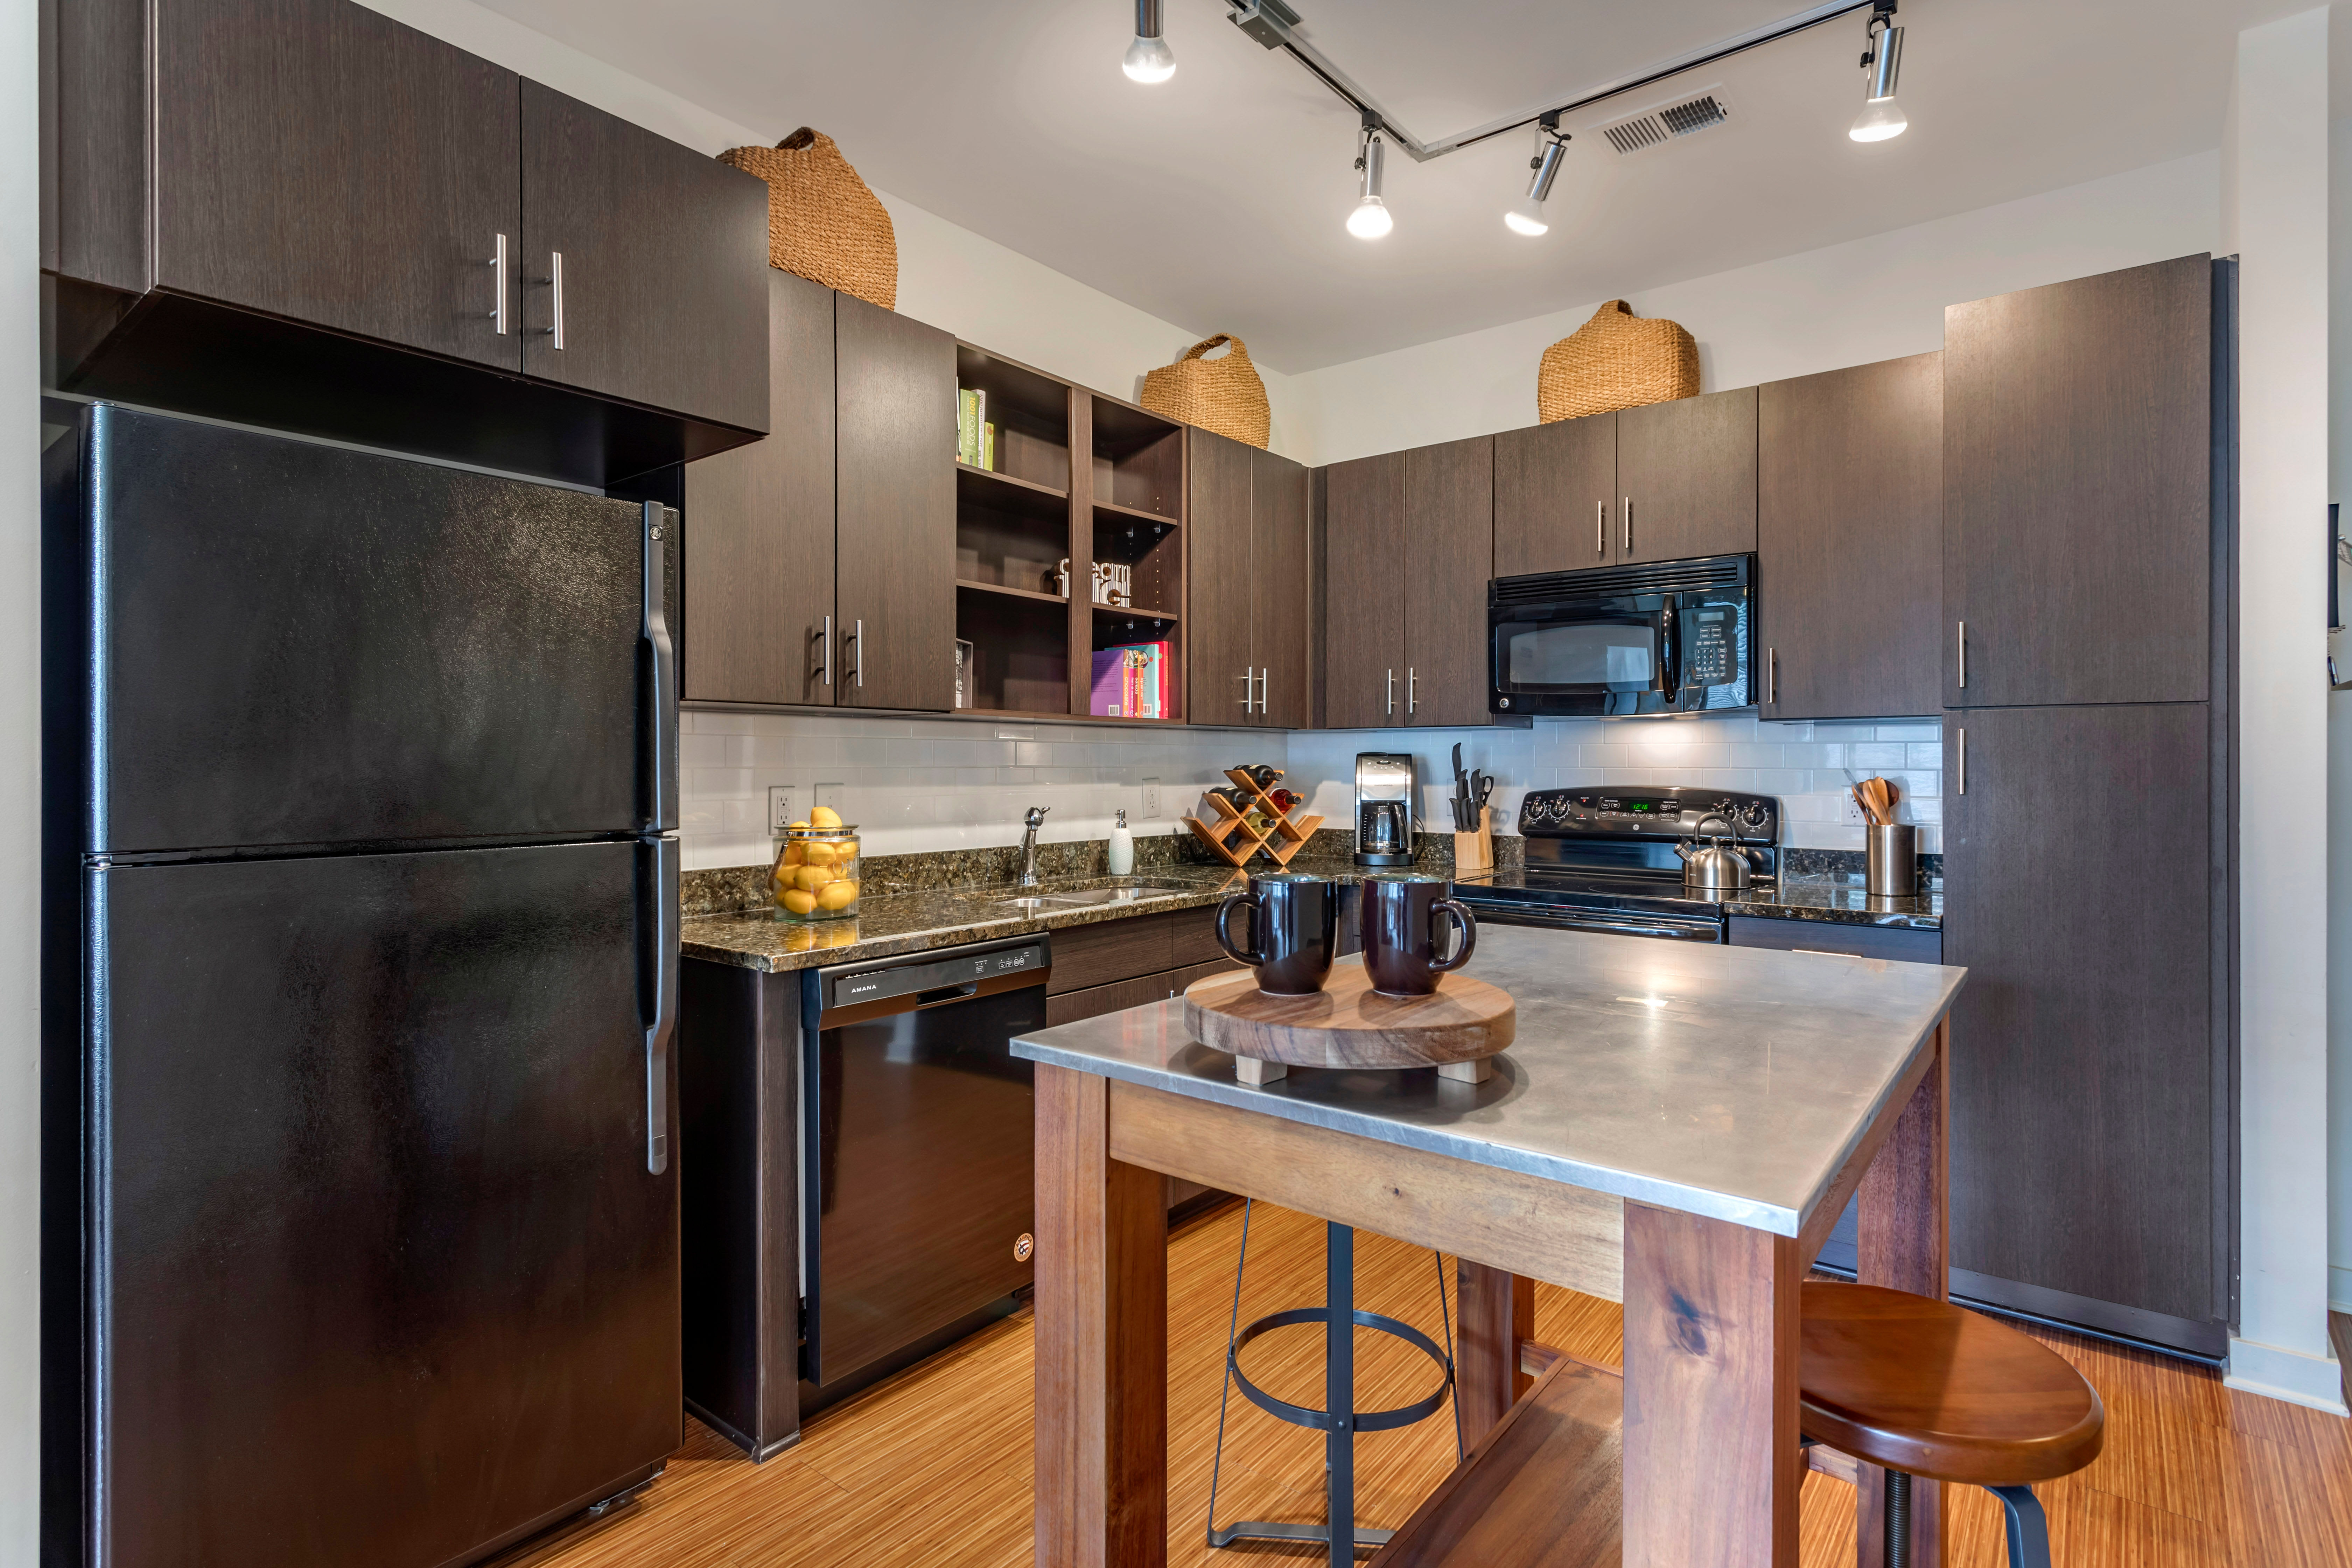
555 282
826 637
1391 697
1629 525
1412 690
1262 675
1964 654
1249 691
1964 760
1600 530
858 636
498 275
1772 675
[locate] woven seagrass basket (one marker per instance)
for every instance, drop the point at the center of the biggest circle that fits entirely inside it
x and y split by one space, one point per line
1615 361
822 222
1223 394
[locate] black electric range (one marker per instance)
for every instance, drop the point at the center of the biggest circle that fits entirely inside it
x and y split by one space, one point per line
1604 859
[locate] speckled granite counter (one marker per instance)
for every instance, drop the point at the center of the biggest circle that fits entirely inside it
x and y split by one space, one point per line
1834 900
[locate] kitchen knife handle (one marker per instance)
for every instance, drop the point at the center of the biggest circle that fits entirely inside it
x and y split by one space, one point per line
657 687
657 878
499 275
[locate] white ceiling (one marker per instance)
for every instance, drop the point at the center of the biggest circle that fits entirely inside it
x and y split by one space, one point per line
1216 200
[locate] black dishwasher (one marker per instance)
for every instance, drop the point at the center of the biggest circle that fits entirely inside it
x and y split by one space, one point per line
918 1197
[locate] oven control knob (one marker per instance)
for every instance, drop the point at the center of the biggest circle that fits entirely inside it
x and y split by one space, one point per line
1754 814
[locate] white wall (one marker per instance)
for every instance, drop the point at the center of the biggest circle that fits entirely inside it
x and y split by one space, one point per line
2278 193
1868 299
2339 734
20 664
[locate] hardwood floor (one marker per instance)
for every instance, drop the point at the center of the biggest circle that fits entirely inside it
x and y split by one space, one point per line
934 1468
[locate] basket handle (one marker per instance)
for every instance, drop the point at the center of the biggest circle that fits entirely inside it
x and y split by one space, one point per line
1241 350
804 138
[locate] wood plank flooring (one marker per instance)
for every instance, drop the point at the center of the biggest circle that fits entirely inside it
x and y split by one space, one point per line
934 1467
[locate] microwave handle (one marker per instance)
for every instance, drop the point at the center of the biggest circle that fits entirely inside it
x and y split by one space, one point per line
1670 675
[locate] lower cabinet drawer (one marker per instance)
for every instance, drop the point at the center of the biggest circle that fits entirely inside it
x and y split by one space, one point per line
1195 935
1113 949
1069 1006
1903 944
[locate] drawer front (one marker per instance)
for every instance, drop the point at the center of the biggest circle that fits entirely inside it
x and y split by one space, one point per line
1195 935
1903 944
1069 1006
1090 956
1179 979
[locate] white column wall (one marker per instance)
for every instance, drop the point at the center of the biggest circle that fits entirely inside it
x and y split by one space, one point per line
2275 178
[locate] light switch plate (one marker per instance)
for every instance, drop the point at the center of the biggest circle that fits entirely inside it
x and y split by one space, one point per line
1150 798
781 814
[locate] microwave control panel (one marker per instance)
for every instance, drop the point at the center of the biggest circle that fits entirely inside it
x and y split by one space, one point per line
1673 812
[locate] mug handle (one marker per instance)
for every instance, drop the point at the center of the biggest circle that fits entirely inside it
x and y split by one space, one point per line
1225 938
1464 923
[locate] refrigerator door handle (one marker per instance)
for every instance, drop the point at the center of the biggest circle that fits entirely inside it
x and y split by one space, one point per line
657 875
658 690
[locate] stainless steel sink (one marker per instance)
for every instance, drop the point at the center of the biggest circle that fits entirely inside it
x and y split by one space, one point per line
1086 897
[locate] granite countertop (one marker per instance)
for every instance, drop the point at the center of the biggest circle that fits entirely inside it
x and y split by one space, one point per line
1725 1082
1837 900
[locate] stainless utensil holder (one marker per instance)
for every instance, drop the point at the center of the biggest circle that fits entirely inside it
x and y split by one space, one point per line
1891 861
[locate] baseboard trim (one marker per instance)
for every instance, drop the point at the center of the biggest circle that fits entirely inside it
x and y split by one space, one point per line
2314 1382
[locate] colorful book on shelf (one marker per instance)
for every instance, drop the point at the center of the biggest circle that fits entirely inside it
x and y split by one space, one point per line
1131 682
988 447
972 417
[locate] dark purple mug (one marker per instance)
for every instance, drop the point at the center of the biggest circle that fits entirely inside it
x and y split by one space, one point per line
1401 943
1294 931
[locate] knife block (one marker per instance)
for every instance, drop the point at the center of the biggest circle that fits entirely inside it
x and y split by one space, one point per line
1476 851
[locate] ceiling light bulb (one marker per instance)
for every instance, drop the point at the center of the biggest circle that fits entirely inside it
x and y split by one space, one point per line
1880 118
1370 219
1527 218
1148 58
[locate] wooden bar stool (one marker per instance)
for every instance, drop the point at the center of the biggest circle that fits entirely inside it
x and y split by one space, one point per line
1924 1388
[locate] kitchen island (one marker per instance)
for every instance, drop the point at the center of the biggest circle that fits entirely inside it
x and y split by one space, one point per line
1677 1127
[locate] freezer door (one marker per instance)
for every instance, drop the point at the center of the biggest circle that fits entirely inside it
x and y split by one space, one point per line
291 645
377 1271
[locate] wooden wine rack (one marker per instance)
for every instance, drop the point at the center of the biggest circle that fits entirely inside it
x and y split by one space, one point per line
1236 842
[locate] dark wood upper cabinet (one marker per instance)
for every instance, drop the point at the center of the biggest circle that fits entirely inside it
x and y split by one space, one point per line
1364 591
662 255
1221 663
1849 543
1280 621
1556 496
319 161
760 528
1686 477
894 596
2077 499
1449 547
2089 1077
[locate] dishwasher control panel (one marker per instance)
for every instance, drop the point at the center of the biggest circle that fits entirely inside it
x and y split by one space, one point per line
882 982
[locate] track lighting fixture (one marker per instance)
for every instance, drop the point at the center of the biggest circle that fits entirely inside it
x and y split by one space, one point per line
1148 58
1882 56
1370 219
1551 144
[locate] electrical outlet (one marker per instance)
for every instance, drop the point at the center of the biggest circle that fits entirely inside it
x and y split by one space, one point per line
1150 798
827 794
1849 811
780 808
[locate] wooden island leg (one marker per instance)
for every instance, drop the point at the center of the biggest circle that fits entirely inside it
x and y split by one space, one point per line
1497 1311
1710 1393
1102 1339
1904 1244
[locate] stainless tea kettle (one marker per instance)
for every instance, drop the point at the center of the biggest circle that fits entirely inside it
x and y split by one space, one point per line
1715 870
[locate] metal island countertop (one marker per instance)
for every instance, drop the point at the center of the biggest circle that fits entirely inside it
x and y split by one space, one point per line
1733 1083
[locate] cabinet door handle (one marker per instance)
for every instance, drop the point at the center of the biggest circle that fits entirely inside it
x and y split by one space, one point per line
1963 636
1249 691
1771 676
1391 709
1262 675
1964 760
1600 530
499 275
858 636
1629 525
1412 690
555 283
826 637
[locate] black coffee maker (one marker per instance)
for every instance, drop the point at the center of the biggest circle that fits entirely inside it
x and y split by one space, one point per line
1384 818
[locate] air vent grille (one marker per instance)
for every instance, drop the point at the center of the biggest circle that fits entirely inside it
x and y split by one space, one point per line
1670 122
1605 582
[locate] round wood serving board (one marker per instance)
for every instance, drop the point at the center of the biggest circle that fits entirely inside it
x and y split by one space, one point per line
1349 1025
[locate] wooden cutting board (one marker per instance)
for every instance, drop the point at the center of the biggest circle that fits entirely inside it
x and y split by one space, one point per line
1349 1025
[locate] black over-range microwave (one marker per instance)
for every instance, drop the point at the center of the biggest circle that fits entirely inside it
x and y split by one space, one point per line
1675 636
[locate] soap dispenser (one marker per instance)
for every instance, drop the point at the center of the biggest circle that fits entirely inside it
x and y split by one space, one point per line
1122 846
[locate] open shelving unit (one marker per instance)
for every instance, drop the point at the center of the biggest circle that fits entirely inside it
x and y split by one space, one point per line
1077 477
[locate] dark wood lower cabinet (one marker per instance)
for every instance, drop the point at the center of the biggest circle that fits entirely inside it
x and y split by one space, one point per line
2090 1079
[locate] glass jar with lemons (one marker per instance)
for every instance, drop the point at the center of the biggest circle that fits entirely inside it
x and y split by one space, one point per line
816 870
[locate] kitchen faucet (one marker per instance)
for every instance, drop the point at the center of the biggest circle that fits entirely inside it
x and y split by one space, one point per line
1036 820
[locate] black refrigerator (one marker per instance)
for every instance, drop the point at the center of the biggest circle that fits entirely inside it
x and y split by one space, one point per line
360 1223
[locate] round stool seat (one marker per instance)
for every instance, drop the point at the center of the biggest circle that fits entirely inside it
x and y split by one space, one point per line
1937 1390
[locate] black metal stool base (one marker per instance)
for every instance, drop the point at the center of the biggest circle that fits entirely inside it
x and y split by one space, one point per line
1338 1420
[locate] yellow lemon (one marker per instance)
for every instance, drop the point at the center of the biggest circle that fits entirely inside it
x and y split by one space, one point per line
824 816
811 878
800 904
795 853
837 896
818 853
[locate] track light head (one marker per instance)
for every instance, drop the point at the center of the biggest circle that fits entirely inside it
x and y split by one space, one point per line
1370 219
1882 56
1551 146
1148 58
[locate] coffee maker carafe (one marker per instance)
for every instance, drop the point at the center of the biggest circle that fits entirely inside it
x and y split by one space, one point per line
1384 818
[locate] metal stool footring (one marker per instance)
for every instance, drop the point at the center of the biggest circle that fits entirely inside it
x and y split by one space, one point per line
1338 1420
